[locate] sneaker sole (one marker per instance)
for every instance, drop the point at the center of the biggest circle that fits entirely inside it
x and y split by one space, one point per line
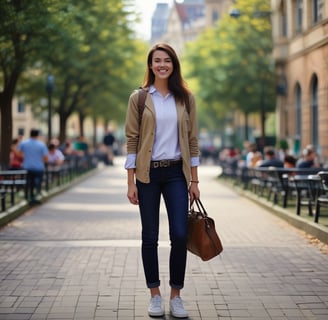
179 316
156 315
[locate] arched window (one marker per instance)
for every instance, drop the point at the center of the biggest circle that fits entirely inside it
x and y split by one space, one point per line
298 105
314 112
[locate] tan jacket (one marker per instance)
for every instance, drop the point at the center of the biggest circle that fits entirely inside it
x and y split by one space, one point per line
140 142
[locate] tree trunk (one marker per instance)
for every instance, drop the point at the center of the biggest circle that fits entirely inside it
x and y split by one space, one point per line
6 128
6 97
106 125
62 127
81 123
94 139
262 108
246 126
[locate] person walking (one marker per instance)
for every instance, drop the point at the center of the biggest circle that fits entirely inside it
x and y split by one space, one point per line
162 160
35 154
108 141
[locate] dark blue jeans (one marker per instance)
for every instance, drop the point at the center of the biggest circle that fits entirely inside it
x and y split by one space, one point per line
34 183
171 183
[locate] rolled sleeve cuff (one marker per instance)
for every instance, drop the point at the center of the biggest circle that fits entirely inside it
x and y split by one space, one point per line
130 162
194 162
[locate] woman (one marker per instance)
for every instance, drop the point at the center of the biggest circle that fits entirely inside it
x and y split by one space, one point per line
15 158
55 156
162 159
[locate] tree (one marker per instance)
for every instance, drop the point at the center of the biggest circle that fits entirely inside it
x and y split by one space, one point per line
90 63
85 45
24 26
235 71
110 102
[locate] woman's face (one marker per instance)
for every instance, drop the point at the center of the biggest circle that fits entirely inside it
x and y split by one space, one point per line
161 65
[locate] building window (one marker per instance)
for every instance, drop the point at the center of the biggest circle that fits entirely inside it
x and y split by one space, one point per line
299 16
315 112
283 19
317 10
215 17
298 102
20 107
21 132
284 25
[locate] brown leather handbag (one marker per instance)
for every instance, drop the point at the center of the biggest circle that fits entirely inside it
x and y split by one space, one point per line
203 239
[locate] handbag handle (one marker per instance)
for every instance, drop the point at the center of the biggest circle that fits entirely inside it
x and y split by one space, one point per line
200 207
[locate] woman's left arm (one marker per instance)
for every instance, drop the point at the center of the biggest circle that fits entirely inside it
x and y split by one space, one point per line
194 151
193 129
194 192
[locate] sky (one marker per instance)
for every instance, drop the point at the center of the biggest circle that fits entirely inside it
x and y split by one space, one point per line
146 8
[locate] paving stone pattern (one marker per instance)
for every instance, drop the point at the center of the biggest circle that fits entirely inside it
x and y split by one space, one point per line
78 257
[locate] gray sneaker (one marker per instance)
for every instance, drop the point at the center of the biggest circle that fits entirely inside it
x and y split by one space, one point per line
156 307
177 309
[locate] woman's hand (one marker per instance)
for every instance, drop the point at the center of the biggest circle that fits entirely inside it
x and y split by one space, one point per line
194 192
133 193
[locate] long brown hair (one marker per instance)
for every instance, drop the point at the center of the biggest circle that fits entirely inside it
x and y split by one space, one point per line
176 84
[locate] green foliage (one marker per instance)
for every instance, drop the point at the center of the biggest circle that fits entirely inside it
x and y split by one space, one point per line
93 72
232 62
283 144
22 24
89 46
24 30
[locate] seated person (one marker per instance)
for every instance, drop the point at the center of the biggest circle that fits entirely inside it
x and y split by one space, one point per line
270 159
252 156
55 156
289 161
15 157
309 159
256 159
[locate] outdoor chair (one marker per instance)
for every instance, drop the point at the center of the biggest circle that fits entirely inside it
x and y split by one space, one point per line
278 185
13 181
260 182
322 200
243 177
307 190
3 193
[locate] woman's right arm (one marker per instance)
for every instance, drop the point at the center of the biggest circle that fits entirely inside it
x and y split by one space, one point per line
132 125
132 188
132 138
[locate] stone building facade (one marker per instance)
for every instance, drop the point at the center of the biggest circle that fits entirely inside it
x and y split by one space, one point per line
300 32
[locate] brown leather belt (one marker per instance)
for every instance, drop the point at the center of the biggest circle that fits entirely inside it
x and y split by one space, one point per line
165 163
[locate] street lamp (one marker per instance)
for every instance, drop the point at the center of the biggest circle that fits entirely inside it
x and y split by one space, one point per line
50 88
234 13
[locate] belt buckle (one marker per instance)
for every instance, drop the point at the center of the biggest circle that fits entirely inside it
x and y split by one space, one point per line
164 163
156 164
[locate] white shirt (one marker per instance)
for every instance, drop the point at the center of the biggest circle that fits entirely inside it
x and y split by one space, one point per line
56 156
166 143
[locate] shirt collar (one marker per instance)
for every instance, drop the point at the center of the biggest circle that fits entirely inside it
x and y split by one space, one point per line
152 90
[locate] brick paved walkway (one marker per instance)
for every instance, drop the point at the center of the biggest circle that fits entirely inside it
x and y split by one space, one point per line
78 257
